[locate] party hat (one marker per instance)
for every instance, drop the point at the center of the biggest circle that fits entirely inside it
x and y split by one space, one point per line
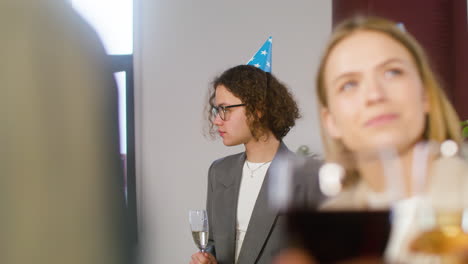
262 59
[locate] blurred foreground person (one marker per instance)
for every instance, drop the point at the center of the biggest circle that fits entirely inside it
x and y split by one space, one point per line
61 191
386 122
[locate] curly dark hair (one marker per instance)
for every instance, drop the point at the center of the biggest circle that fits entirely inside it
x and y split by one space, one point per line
262 93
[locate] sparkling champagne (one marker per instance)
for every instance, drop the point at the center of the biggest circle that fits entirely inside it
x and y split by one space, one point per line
201 239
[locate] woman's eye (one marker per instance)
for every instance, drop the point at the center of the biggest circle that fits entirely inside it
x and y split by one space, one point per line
392 73
348 86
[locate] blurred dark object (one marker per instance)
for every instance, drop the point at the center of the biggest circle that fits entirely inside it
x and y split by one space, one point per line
333 236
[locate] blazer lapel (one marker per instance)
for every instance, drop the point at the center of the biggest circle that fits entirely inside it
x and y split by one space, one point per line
227 206
262 219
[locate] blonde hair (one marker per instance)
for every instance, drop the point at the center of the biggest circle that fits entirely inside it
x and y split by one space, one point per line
442 121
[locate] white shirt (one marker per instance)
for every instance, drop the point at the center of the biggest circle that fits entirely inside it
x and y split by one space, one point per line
253 175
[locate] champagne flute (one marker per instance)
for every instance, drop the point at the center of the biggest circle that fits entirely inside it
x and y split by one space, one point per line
428 226
443 231
199 225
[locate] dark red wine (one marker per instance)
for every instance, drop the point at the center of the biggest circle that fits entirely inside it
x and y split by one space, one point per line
336 236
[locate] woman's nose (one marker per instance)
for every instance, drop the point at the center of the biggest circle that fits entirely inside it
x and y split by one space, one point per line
217 120
375 91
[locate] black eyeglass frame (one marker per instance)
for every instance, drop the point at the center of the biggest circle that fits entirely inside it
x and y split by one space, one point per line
215 110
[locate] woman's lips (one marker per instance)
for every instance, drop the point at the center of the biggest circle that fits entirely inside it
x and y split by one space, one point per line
221 133
381 120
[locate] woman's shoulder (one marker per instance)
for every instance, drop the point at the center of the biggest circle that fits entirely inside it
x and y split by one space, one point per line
229 160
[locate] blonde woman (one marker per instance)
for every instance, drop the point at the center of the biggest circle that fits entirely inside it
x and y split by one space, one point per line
377 92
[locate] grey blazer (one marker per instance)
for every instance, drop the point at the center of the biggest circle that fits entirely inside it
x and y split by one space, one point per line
264 237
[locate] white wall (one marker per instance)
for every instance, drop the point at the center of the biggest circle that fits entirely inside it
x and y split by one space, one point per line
180 47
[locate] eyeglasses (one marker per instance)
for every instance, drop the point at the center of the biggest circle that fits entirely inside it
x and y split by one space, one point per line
222 110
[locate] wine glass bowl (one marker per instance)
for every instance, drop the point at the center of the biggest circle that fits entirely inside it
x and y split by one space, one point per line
199 225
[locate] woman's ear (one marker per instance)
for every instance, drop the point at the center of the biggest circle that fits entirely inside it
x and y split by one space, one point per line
259 114
330 125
